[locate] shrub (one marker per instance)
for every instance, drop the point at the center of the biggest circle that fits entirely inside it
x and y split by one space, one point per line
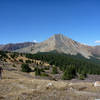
21 60
14 65
81 77
54 70
37 71
46 68
28 61
42 70
14 55
25 68
44 74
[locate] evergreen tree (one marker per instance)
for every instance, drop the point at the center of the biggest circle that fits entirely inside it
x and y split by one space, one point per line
37 71
69 73
25 68
54 70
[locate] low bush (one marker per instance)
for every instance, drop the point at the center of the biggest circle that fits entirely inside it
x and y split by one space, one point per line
25 68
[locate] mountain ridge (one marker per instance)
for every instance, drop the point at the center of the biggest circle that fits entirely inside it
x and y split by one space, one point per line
15 46
59 43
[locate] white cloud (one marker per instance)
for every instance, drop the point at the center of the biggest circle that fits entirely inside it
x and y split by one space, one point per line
97 41
35 41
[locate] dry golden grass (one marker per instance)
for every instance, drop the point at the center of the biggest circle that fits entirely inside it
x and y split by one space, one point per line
21 86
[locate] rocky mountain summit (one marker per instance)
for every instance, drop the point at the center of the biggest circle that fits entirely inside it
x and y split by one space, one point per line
61 44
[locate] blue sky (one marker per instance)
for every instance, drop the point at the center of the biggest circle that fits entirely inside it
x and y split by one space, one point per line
28 20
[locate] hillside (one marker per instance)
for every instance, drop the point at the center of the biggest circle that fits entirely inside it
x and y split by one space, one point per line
51 65
48 68
18 85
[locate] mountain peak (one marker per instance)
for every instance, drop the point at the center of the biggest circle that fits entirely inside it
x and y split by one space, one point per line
59 43
59 35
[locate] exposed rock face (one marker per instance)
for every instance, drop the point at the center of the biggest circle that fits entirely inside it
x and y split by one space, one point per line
59 43
12 47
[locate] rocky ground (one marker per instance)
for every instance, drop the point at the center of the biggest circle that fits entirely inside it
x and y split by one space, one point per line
22 86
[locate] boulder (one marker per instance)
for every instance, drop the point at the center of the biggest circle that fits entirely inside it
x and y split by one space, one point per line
97 83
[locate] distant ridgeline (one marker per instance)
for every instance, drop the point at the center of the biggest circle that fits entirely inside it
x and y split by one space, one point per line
82 65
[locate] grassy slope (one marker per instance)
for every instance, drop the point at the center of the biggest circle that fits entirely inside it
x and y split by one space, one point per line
19 86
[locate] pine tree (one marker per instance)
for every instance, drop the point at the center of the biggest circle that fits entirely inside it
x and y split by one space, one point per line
69 73
54 70
25 68
37 71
